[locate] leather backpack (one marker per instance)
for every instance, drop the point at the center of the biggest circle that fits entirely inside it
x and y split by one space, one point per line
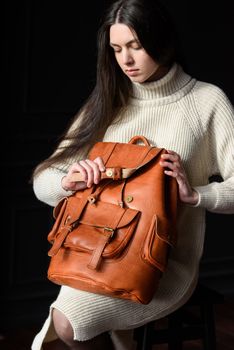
115 237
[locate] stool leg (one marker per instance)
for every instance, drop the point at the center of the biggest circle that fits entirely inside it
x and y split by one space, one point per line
145 336
209 340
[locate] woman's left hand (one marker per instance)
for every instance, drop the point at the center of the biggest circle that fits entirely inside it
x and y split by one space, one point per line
171 161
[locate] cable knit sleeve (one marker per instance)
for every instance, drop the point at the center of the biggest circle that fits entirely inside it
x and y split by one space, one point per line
47 186
217 119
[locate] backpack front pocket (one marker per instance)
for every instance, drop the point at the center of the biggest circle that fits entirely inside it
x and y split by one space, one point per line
157 243
103 231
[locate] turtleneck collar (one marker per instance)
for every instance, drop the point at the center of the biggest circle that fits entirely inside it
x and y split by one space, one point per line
174 85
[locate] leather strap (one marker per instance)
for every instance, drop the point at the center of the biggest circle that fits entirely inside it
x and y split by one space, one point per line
59 240
104 238
73 215
113 173
110 173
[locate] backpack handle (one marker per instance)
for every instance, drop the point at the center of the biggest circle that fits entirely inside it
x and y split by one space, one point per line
136 138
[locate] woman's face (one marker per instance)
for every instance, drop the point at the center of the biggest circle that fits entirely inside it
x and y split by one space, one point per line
131 56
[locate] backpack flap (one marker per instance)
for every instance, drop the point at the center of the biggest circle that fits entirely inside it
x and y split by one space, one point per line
103 231
126 156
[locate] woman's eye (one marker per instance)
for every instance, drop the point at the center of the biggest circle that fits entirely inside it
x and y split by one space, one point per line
134 46
137 47
116 49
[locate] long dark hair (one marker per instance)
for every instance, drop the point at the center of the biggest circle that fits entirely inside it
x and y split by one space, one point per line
153 27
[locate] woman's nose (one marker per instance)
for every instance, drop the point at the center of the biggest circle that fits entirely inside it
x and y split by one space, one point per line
127 57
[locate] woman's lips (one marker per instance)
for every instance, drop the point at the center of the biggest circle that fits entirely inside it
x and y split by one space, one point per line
132 72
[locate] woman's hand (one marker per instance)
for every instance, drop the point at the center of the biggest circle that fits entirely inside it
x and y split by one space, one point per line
90 172
173 167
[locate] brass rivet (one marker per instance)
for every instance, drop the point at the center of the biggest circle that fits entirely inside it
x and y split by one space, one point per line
109 173
129 199
92 199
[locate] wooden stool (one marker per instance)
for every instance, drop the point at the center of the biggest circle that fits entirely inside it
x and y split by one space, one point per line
194 320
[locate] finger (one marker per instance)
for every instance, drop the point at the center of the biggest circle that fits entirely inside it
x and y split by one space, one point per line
165 164
77 168
172 156
176 174
174 166
89 172
169 151
100 163
96 171
171 173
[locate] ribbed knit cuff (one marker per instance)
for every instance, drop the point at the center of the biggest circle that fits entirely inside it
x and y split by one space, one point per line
206 197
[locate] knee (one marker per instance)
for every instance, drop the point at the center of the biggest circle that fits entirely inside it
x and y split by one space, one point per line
63 327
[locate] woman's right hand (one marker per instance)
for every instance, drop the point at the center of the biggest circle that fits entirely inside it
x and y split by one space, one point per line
90 171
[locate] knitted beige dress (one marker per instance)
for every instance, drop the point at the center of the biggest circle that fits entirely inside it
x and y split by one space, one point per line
196 120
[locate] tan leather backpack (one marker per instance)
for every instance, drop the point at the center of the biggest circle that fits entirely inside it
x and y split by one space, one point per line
115 237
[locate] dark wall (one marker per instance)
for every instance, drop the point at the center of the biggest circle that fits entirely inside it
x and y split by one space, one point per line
49 61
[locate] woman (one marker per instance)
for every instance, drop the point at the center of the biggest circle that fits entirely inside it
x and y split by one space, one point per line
141 89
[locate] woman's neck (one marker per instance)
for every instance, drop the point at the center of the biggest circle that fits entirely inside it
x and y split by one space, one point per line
160 72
